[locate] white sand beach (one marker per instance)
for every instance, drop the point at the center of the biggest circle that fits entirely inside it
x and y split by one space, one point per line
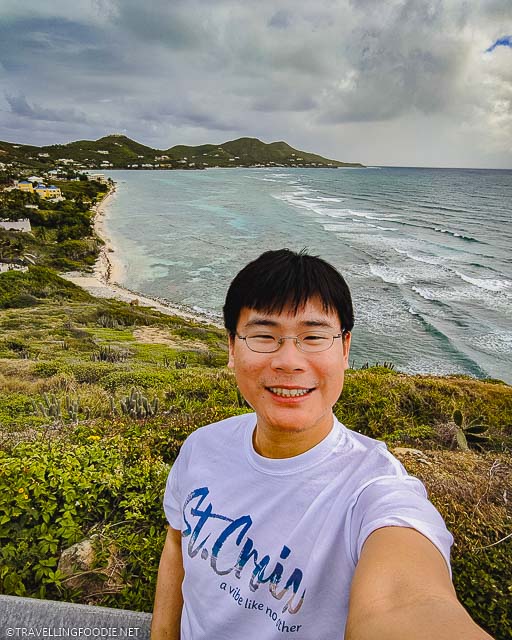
103 282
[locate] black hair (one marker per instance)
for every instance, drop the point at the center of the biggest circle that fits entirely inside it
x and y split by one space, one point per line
284 278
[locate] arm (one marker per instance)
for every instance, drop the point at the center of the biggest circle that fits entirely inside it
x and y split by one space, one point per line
402 590
168 597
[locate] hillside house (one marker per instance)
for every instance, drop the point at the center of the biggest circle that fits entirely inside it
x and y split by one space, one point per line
11 266
99 177
25 185
16 225
48 192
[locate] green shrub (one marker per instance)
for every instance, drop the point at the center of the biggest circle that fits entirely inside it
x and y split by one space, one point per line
16 412
49 368
16 345
21 301
144 379
39 283
91 372
52 496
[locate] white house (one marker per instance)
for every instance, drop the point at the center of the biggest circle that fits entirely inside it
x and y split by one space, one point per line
16 225
10 266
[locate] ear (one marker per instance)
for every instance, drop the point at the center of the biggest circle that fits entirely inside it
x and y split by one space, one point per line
346 349
231 348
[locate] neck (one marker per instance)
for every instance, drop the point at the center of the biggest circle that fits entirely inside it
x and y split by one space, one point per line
271 442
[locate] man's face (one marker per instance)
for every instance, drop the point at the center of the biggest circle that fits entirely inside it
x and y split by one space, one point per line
264 378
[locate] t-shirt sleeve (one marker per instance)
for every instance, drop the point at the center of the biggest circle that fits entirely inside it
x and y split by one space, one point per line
397 501
172 499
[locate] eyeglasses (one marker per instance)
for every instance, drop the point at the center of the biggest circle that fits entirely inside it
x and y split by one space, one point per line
309 341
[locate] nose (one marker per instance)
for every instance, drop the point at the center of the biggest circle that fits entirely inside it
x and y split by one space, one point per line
288 357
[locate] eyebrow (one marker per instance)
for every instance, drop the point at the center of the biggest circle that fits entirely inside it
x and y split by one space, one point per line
266 322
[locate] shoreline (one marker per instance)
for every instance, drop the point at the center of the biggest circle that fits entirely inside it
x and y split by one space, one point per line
103 282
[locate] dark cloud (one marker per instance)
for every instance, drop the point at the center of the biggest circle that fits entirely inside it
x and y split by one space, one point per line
20 106
180 114
177 25
280 20
397 62
285 102
42 40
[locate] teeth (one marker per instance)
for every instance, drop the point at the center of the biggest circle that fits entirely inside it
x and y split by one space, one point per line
289 393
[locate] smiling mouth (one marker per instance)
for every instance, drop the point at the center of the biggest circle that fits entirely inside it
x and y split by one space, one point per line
289 393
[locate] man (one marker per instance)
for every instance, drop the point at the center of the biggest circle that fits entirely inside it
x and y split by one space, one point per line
283 522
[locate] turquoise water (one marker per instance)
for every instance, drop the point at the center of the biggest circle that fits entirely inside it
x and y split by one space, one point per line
426 252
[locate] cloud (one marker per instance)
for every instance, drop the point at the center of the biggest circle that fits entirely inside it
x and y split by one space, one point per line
20 106
506 41
177 25
338 77
280 20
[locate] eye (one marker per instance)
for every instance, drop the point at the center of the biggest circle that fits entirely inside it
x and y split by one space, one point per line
314 337
262 337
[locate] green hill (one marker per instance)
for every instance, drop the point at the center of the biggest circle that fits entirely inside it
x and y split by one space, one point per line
119 152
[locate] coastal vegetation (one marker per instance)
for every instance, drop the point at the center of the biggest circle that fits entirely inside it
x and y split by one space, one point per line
119 152
97 396
61 234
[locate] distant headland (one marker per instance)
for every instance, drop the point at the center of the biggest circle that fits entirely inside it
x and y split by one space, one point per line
116 151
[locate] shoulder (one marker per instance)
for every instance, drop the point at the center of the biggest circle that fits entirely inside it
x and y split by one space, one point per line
370 458
379 476
229 431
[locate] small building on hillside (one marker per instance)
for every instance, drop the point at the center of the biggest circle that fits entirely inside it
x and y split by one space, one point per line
11 266
25 185
99 177
48 192
16 225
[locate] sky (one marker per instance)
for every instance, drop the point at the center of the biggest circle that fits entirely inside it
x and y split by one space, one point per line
401 82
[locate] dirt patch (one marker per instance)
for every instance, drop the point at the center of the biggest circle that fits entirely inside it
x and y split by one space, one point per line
154 335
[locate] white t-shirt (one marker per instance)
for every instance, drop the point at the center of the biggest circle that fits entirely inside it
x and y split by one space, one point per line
270 545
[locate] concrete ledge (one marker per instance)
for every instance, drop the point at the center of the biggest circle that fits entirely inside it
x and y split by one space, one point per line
32 618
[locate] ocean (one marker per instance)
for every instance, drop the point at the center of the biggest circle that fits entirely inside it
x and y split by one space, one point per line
426 252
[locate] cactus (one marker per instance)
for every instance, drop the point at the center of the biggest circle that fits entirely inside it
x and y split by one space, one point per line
109 322
470 433
138 406
107 354
181 362
50 407
72 407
